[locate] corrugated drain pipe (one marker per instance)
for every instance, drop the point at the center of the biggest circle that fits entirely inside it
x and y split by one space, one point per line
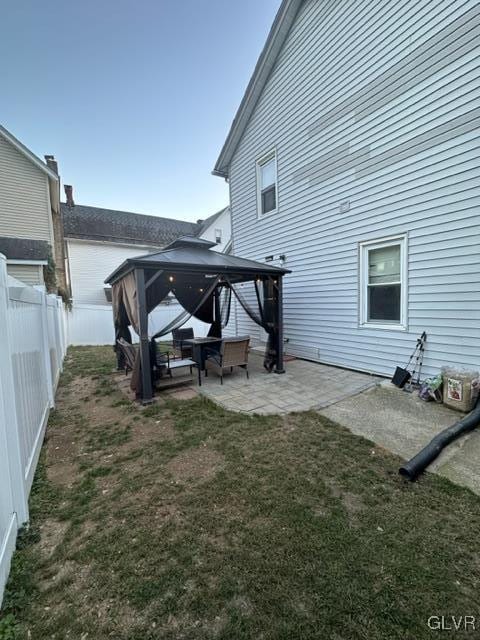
418 463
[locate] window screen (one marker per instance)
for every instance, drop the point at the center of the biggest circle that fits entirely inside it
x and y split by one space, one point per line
384 284
267 177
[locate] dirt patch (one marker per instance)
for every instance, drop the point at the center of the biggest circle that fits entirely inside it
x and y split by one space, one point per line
122 383
187 393
82 387
65 571
52 533
102 412
145 432
63 473
199 464
62 449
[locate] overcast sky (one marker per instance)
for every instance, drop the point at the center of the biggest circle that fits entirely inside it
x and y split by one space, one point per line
133 97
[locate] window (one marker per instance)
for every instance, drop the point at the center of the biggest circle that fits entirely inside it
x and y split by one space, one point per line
218 236
383 283
267 199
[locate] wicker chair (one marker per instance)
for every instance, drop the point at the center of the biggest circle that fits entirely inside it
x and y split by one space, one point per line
129 352
233 353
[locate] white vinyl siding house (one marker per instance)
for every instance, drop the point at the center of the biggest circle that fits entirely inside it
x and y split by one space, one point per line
24 197
25 208
218 228
92 262
31 274
98 242
373 109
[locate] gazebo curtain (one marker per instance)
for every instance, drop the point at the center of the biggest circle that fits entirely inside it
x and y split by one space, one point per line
124 301
197 302
265 317
192 293
198 299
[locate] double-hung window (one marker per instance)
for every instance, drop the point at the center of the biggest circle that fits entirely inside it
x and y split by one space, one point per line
218 236
267 196
383 283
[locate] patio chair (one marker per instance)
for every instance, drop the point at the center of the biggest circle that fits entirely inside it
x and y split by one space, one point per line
129 352
179 336
233 353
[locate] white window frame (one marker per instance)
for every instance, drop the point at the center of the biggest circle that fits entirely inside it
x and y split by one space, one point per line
218 234
263 159
364 249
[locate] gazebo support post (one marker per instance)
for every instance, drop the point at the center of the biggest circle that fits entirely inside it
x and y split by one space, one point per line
217 312
147 392
278 311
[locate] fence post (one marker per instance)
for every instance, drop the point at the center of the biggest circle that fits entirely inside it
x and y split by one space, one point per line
61 330
56 331
46 352
7 389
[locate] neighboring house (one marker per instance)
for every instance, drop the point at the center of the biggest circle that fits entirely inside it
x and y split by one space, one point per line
355 154
29 212
98 240
218 228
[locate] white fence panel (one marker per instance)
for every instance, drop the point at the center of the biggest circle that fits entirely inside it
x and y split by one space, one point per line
9 447
90 324
32 389
32 348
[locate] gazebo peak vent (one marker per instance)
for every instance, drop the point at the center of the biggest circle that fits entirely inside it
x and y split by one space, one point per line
190 241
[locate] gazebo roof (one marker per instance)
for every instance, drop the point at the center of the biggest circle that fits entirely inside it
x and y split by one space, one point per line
190 254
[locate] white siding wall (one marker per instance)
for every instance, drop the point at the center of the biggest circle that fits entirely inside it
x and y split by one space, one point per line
31 274
91 263
24 201
223 222
402 150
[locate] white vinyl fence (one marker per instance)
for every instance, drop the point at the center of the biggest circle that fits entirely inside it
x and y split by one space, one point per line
33 342
92 324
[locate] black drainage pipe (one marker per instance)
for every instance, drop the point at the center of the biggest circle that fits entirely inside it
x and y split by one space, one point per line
418 463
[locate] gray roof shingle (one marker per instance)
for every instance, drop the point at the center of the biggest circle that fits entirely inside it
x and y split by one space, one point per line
95 223
24 249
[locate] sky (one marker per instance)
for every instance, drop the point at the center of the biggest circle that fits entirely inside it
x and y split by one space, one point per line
134 98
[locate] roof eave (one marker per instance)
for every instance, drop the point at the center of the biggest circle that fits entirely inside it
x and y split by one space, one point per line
27 153
130 264
275 40
118 273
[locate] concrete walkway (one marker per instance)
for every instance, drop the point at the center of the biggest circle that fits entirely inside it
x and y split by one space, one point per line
304 385
404 424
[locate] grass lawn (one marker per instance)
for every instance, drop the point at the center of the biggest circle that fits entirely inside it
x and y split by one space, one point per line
182 520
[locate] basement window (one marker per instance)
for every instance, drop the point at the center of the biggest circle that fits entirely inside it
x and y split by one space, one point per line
383 283
267 197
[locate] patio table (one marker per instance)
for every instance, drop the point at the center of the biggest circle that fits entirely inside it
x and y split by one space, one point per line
199 345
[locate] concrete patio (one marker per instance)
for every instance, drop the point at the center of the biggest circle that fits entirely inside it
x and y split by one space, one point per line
304 385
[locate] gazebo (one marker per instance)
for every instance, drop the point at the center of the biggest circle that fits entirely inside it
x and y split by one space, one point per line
200 279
